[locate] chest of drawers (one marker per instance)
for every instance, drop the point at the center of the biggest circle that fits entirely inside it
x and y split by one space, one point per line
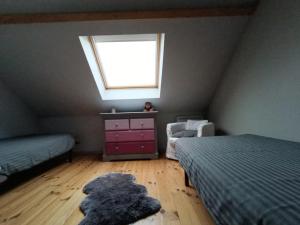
131 135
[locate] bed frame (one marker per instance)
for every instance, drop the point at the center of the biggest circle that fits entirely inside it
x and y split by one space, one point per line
7 182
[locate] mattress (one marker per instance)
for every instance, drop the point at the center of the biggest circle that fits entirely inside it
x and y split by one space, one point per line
246 179
18 154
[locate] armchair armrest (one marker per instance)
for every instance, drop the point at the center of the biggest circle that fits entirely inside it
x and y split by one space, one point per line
175 127
207 129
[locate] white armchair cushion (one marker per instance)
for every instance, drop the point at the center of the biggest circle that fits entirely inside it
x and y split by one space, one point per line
185 133
194 124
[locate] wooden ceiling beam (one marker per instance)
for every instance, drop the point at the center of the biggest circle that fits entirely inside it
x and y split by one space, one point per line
124 15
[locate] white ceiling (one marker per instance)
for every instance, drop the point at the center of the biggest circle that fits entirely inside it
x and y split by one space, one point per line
40 6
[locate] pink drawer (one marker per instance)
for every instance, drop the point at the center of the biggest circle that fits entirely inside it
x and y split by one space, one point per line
117 124
130 148
117 136
134 135
145 123
143 135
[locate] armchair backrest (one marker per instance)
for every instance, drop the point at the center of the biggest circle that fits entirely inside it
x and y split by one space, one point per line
186 118
194 124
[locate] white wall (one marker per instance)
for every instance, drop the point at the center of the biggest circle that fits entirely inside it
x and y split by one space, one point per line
45 63
16 119
260 93
88 130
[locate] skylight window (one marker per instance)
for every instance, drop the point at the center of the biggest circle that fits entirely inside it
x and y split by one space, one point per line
127 66
128 61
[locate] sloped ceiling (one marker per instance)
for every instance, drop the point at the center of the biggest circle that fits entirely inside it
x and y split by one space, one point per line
44 64
38 6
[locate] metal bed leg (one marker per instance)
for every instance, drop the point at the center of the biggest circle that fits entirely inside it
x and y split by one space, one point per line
70 159
186 180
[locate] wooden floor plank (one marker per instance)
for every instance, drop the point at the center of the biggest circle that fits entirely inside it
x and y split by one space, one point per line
31 192
53 197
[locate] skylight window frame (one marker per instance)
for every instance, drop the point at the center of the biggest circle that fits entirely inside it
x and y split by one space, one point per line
127 38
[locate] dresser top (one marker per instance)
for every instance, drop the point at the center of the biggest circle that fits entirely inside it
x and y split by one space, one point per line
129 114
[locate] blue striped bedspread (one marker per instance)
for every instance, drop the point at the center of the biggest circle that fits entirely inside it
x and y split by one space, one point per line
245 179
18 154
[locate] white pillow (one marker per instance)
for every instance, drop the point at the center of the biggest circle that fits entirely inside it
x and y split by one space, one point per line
194 124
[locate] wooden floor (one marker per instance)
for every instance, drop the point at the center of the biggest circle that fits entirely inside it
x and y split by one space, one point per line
54 196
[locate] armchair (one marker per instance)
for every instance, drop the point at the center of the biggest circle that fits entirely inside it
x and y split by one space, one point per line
191 128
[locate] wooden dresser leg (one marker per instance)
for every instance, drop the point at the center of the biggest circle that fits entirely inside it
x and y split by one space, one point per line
186 180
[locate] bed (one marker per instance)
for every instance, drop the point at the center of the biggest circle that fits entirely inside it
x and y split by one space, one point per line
19 154
245 179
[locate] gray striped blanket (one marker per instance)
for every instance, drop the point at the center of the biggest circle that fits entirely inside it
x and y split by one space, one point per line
246 179
18 154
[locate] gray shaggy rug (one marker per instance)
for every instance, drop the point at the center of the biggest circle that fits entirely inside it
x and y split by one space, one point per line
115 199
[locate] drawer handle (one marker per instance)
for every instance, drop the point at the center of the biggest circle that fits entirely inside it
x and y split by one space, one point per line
142 135
142 146
117 147
116 125
116 135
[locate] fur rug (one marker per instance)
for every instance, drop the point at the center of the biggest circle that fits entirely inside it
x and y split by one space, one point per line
115 199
